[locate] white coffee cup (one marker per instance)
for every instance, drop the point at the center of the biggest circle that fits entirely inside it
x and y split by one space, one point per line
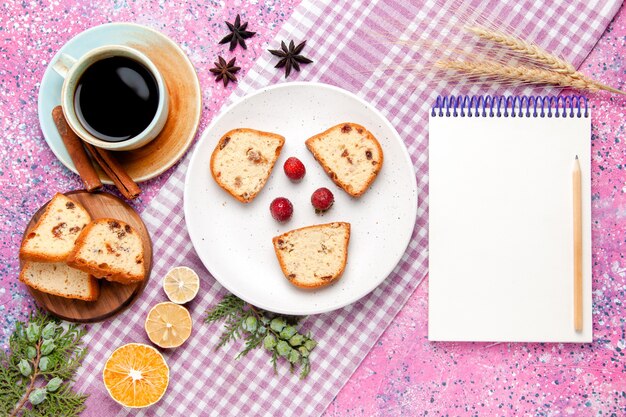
71 69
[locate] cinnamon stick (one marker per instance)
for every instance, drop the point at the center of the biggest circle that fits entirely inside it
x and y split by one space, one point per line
74 146
115 171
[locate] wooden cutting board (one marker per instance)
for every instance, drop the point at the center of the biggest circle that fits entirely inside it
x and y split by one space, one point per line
114 297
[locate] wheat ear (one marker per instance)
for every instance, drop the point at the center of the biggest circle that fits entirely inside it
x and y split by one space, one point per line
525 49
539 56
522 75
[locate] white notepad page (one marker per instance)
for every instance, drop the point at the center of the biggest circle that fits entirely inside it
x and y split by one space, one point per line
501 228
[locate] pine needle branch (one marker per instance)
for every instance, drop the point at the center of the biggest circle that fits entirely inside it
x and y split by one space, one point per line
37 373
277 334
230 305
232 330
253 341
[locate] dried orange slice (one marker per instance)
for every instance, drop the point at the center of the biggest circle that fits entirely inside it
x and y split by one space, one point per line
136 375
181 284
168 325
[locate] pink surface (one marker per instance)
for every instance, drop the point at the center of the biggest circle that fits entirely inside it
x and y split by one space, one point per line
32 33
404 374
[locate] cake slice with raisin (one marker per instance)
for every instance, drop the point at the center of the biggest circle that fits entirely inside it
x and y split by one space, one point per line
243 161
350 155
109 249
52 239
57 278
313 256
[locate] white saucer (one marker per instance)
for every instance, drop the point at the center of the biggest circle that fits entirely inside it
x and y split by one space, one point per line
180 76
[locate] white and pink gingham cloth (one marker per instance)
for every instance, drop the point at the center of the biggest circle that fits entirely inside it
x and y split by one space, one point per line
338 34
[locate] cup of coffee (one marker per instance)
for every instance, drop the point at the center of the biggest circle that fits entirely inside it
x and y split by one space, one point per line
113 97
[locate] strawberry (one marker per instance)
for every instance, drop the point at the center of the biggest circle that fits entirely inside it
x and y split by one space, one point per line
281 209
294 169
322 199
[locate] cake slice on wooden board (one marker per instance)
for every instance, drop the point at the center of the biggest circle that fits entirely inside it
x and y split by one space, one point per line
313 256
243 161
57 278
52 239
350 155
110 249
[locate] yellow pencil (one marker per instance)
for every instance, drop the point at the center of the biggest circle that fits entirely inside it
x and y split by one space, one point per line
578 247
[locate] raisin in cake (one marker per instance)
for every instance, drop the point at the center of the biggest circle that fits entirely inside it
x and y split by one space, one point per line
350 155
52 239
110 249
243 160
313 256
57 278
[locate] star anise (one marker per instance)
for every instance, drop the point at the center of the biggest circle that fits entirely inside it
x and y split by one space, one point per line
290 57
225 71
238 34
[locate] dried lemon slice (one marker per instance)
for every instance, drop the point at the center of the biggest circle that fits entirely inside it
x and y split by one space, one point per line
181 284
136 375
168 325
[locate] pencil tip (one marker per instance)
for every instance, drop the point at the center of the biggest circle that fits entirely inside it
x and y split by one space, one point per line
576 156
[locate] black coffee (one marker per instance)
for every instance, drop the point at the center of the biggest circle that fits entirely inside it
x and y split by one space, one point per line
116 99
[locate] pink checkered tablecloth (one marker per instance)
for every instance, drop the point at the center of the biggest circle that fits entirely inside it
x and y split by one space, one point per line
339 40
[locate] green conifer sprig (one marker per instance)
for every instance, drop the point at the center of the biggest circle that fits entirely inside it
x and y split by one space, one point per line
277 334
37 373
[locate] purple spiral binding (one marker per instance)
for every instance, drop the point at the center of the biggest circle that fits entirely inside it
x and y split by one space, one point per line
510 106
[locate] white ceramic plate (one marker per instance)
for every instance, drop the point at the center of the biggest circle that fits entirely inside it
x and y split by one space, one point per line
234 240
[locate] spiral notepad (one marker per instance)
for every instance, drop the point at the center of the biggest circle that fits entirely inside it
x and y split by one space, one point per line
500 218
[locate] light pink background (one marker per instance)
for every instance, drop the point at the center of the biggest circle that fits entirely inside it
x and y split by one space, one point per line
404 374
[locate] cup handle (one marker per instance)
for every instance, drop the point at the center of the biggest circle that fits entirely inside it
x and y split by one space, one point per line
63 64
